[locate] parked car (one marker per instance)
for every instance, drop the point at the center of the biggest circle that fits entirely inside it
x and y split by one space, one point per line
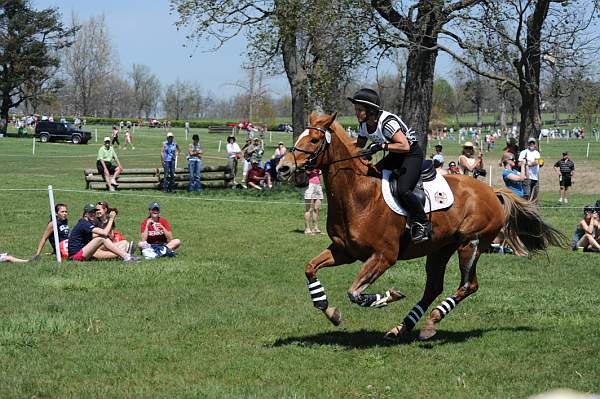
53 131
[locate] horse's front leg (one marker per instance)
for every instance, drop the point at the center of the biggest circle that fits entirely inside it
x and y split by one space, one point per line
329 257
374 267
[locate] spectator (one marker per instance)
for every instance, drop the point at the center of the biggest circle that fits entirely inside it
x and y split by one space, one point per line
4 257
565 169
62 223
438 150
194 163
105 167
157 230
511 148
128 140
233 155
102 220
438 164
585 235
453 168
534 161
168 153
512 178
248 151
115 136
83 246
258 151
279 151
313 197
467 161
257 177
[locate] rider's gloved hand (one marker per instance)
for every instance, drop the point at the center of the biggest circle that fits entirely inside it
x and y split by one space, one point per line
376 147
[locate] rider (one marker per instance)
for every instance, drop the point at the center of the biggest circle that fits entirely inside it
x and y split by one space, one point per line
389 133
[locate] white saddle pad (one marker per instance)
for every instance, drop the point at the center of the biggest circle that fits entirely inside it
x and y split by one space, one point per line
438 193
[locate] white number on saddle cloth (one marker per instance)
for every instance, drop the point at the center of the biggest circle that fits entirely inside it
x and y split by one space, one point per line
439 193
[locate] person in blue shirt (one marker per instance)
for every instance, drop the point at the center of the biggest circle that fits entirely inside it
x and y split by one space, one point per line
168 153
512 178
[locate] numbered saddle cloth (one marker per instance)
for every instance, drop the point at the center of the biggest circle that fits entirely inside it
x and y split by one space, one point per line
437 192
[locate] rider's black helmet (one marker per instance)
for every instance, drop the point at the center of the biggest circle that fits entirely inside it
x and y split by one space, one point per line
367 97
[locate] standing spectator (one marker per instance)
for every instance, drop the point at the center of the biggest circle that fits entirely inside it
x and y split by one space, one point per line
438 150
194 163
128 140
169 151
512 178
257 177
313 197
438 164
115 136
258 151
565 169
534 161
233 155
157 230
105 167
62 223
83 246
467 161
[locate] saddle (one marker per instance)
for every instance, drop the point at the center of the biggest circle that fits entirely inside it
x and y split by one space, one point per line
428 174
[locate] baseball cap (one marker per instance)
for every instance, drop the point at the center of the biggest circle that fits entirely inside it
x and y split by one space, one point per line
170 134
438 157
438 146
153 205
89 208
106 139
468 144
531 140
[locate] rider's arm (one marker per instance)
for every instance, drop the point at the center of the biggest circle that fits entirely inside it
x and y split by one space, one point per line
361 141
399 143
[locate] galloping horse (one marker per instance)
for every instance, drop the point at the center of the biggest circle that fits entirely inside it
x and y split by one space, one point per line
362 227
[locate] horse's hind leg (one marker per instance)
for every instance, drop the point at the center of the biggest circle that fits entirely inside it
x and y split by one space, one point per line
374 267
468 255
327 258
435 268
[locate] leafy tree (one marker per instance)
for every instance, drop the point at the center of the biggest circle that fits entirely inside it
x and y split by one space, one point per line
29 42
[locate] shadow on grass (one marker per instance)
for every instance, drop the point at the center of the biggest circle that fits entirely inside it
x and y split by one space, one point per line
364 339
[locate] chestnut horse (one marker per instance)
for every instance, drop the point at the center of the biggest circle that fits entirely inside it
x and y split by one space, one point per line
362 227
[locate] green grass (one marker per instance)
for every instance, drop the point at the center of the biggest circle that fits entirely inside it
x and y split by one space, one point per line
230 315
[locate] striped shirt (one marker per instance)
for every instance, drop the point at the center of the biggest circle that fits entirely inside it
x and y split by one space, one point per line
387 125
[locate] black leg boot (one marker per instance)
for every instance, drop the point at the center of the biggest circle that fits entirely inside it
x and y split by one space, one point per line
420 227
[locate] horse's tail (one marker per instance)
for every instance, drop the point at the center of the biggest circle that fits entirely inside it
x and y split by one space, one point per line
524 229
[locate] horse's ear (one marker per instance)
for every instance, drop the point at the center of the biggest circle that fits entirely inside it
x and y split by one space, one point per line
330 119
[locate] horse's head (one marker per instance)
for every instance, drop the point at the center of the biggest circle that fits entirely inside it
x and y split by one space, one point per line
309 149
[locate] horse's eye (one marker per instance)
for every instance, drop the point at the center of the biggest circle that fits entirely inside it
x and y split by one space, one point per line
315 141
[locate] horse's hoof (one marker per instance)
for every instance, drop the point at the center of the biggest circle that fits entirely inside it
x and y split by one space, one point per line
427 332
395 333
395 295
334 316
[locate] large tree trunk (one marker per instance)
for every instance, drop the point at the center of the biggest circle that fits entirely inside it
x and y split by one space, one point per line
418 90
4 108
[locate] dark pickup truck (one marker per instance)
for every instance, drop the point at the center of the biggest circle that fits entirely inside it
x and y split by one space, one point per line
53 131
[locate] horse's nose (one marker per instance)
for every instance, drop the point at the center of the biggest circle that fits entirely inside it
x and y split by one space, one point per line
283 170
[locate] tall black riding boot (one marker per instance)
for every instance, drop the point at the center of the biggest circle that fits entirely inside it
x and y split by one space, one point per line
420 227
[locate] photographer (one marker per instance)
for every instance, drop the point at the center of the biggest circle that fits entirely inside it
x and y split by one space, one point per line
469 164
512 178
157 230
586 233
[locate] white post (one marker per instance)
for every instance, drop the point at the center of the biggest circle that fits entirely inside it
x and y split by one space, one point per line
587 153
219 146
186 133
270 137
176 158
96 132
33 146
490 174
54 226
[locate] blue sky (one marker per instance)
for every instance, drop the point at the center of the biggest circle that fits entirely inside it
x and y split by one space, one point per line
143 32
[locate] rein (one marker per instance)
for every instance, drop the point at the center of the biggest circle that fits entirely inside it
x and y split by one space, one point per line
313 155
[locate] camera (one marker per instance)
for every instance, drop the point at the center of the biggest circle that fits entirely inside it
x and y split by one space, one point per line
479 172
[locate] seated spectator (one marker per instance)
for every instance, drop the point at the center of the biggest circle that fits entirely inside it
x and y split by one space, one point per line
102 219
105 167
157 230
62 224
453 168
587 231
512 178
279 151
257 177
4 257
83 246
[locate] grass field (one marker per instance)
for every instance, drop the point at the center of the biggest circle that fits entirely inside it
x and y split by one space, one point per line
230 316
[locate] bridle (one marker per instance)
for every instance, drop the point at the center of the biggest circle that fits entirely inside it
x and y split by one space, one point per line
313 155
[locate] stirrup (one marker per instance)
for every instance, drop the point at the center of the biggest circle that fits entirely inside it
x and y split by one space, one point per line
420 232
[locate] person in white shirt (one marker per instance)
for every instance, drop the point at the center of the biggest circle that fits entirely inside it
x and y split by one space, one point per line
534 161
233 155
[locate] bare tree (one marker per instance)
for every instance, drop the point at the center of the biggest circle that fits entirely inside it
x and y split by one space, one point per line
88 63
524 32
146 89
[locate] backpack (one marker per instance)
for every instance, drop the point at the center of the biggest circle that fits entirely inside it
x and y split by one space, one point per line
156 251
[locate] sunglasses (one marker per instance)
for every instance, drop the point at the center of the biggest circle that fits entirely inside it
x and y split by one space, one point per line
155 209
